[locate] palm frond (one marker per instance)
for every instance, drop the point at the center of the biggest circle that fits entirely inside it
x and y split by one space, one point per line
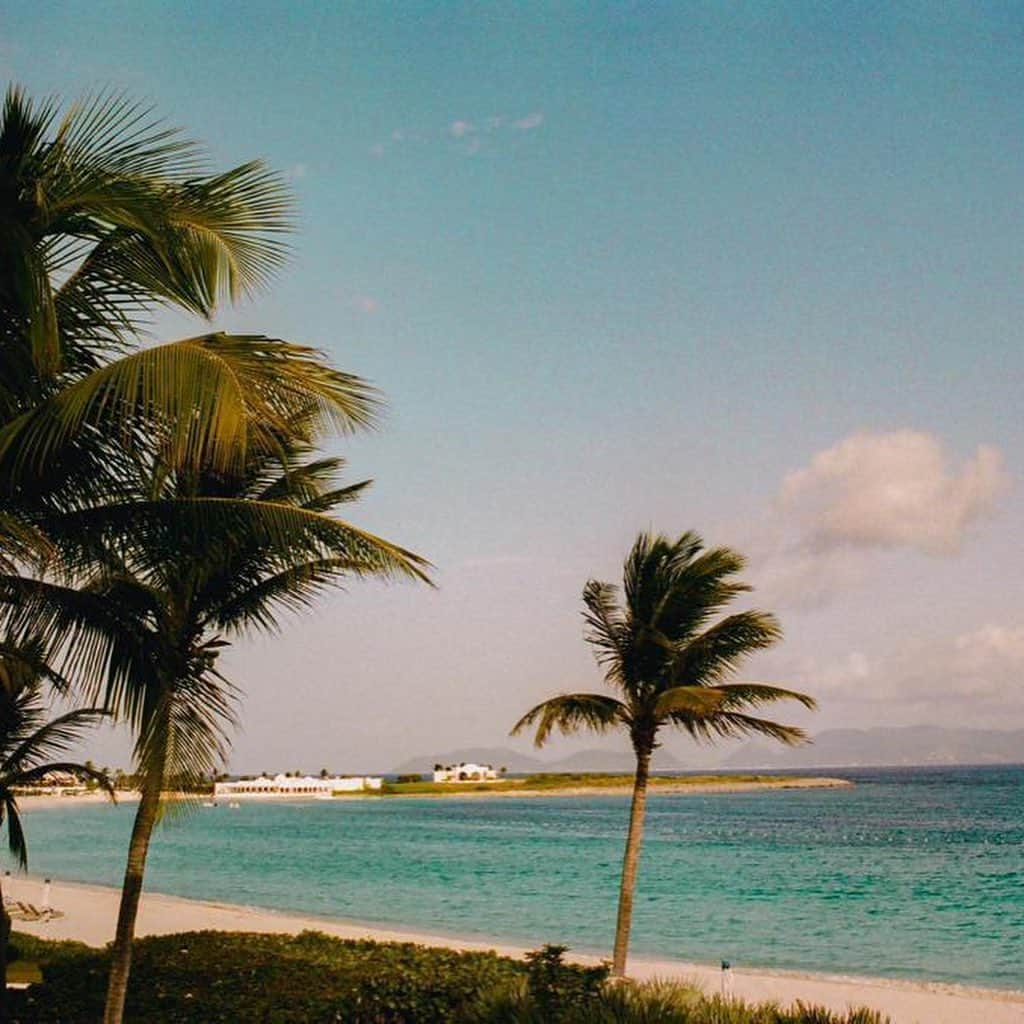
733 724
572 712
751 695
700 701
39 772
716 653
606 627
24 662
292 589
199 401
15 833
53 738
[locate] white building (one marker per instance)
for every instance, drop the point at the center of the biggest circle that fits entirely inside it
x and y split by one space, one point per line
287 785
465 772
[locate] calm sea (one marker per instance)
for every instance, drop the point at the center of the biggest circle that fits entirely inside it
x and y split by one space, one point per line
914 873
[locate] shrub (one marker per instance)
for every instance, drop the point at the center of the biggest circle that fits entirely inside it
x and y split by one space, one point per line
409 778
208 977
231 977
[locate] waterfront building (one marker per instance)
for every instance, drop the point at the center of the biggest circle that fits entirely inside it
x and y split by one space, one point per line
465 772
293 785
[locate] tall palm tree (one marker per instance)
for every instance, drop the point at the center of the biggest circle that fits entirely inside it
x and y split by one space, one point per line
668 668
168 577
27 743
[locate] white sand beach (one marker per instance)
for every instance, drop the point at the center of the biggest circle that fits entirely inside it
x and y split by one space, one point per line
89 914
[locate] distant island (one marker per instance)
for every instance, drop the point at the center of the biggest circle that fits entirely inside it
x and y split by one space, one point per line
893 747
603 784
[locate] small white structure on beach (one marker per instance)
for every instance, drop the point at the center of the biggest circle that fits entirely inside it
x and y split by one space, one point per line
294 785
465 772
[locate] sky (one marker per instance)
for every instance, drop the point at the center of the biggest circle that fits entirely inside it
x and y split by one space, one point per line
752 269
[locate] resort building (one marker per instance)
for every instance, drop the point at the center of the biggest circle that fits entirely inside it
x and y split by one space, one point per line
465 772
292 785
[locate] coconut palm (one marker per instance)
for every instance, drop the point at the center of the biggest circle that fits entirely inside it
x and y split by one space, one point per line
168 578
28 742
668 667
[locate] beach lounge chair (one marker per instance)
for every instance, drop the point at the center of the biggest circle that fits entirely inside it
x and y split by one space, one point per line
19 911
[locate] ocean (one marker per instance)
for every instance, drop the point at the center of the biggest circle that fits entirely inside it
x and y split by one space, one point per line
914 873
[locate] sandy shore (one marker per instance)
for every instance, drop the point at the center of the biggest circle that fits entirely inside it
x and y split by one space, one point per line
90 913
803 782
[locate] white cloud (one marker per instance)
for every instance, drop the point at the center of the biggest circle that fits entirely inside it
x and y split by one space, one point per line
296 171
868 495
530 121
459 129
892 490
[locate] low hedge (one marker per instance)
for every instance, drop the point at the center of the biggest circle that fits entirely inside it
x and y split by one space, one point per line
233 977
207 977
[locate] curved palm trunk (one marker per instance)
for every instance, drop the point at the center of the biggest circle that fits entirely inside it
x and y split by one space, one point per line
630 862
121 953
5 934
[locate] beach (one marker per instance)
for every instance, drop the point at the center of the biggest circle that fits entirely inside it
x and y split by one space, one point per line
661 787
89 915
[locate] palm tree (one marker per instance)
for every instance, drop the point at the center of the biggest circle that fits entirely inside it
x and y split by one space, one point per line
669 668
27 742
167 578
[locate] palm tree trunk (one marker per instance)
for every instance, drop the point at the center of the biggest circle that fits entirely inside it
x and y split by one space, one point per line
5 934
121 953
630 862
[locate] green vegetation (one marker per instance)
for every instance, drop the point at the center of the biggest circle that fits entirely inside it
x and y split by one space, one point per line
155 502
600 780
553 781
210 977
669 668
28 742
206 977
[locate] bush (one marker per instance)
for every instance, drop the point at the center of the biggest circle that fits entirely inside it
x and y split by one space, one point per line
208 977
409 778
231 977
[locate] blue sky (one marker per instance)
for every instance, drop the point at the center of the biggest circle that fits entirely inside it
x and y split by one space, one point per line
619 267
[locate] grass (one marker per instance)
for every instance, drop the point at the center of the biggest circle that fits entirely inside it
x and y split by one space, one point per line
549 781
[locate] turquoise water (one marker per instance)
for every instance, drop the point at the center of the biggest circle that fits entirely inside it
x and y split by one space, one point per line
914 873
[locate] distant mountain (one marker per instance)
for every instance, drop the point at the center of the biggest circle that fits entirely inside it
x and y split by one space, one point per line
611 761
517 764
916 744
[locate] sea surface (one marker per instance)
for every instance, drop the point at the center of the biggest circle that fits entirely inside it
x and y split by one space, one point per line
914 873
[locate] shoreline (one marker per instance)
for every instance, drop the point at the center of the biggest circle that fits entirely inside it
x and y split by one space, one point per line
472 790
672 788
90 913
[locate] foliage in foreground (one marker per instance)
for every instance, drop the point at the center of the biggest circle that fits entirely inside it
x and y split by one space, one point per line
210 977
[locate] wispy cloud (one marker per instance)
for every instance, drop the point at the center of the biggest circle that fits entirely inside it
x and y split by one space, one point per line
531 121
464 136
